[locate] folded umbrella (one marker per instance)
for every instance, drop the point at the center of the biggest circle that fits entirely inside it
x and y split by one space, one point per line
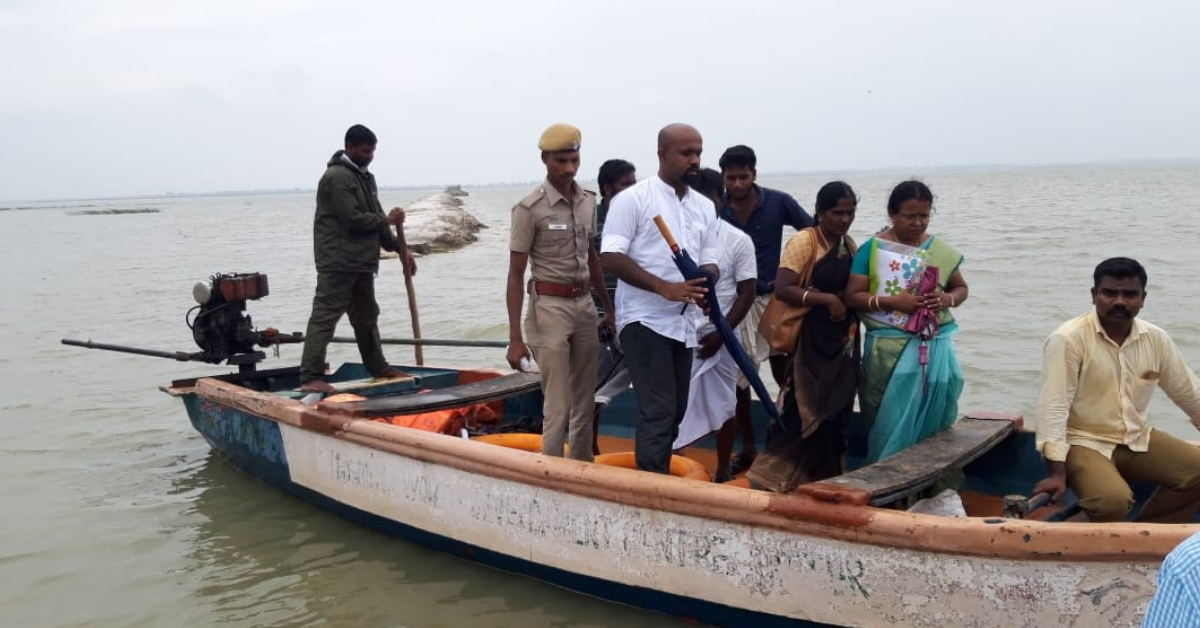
922 323
690 270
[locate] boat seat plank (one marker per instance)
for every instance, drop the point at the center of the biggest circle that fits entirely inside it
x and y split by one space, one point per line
443 398
369 384
367 387
919 466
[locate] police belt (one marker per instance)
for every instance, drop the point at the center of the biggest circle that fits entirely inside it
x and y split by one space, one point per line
566 290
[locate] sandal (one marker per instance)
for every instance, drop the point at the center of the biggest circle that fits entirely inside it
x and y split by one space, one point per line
740 462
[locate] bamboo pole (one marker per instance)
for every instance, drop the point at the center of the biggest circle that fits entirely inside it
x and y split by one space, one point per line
412 295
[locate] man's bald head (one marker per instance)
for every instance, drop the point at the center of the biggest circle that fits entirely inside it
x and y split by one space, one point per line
673 133
679 148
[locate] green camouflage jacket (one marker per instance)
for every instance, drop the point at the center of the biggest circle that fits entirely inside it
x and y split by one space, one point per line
350 225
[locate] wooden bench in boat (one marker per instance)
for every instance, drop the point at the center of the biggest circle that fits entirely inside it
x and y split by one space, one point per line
486 390
919 466
370 387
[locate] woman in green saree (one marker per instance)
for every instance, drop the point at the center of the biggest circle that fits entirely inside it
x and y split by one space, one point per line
903 399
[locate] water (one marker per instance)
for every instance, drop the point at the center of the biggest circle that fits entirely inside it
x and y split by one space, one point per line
115 513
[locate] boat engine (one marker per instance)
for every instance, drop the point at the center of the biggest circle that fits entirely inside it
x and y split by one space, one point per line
222 328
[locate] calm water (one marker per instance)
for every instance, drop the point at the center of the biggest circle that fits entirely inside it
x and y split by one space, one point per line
117 515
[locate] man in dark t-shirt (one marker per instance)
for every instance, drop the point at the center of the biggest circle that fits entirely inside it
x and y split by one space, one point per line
615 175
761 213
612 376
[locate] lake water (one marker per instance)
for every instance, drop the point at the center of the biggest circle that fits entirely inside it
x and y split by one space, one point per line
116 514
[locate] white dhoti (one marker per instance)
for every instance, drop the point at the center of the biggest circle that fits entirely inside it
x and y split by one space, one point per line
753 342
711 398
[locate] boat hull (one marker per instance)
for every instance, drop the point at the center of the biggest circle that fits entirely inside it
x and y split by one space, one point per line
259 447
635 540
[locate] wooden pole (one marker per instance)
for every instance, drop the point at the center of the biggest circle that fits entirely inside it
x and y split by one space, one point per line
412 295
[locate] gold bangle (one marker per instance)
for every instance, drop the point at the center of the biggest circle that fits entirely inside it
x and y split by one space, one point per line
803 298
873 307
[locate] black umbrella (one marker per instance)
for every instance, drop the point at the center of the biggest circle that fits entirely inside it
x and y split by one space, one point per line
687 266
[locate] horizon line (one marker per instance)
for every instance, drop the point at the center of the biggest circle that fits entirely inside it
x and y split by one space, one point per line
503 184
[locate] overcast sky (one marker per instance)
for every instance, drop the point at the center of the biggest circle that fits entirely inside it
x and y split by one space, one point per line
126 97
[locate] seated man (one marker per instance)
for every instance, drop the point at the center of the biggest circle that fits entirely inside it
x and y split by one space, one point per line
1098 373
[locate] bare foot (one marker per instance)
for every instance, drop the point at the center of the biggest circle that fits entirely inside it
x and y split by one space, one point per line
318 386
741 461
393 373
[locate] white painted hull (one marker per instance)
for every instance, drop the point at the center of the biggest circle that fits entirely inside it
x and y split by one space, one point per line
772 555
742 566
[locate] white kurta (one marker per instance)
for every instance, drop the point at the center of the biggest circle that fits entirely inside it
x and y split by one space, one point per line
629 228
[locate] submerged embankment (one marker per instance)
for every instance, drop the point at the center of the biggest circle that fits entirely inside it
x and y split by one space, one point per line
436 224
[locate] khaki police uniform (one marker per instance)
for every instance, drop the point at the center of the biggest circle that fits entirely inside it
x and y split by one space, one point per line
560 325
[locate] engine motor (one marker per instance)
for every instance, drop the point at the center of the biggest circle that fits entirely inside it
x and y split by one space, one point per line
222 328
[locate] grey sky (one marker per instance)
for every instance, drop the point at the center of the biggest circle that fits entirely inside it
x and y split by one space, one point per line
150 96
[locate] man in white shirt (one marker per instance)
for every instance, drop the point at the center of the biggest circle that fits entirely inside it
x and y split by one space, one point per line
656 335
712 396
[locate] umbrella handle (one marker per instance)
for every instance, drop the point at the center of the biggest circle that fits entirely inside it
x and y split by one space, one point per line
666 233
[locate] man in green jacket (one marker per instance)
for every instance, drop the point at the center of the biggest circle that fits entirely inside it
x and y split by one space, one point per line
348 231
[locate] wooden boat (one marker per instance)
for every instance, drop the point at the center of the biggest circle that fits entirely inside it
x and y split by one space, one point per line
721 554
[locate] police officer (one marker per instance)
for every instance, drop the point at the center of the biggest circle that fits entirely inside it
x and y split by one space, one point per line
552 232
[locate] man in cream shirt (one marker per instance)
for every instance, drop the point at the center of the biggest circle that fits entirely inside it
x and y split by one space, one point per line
1098 373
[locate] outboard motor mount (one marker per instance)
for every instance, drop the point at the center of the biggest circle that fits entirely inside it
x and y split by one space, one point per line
222 328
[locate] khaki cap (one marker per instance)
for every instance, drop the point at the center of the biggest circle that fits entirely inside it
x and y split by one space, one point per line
559 137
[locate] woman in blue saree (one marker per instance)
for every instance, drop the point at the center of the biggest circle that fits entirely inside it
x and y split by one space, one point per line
904 400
